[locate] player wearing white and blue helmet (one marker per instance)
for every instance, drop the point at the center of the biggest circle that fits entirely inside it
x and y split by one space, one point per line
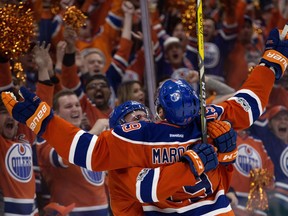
138 111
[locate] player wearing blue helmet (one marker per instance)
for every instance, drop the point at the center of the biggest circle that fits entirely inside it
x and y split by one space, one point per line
179 101
137 111
177 98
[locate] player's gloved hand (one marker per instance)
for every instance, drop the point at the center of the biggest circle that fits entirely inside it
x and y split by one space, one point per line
276 53
201 158
32 111
224 138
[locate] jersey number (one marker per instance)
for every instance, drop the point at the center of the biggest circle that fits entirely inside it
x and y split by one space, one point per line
131 127
200 190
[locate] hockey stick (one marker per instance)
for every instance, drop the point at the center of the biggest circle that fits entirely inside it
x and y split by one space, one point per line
202 94
284 32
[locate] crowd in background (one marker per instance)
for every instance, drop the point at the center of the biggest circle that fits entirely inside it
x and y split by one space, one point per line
83 74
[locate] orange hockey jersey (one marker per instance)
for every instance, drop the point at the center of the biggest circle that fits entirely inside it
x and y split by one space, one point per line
69 183
133 186
152 145
17 182
113 150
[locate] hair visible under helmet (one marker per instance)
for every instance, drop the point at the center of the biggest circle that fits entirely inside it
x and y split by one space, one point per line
119 113
179 101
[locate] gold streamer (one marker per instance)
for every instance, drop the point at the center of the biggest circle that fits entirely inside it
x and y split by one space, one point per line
16 29
257 198
74 17
189 17
55 7
18 70
187 9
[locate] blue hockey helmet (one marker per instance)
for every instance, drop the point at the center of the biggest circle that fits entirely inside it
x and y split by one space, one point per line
179 101
119 112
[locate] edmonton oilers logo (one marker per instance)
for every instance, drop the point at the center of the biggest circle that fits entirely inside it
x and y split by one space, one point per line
19 162
175 96
284 161
212 53
94 178
247 159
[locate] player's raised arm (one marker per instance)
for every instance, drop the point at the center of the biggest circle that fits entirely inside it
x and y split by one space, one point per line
108 151
249 102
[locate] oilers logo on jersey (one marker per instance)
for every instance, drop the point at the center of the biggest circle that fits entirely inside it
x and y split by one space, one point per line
248 158
284 161
94 178
19 162
244 104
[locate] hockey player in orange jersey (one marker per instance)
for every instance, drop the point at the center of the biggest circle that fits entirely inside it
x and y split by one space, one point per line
130 145
135 191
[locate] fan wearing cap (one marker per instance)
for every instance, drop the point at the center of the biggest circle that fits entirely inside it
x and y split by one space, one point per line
174 58
275 138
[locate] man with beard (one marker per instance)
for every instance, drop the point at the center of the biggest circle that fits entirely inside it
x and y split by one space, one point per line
99 92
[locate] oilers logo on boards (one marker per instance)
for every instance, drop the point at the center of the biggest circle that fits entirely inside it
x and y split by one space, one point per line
284 161
19 162
248 158
94 178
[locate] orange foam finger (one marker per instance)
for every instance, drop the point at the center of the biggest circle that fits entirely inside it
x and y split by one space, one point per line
9 101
